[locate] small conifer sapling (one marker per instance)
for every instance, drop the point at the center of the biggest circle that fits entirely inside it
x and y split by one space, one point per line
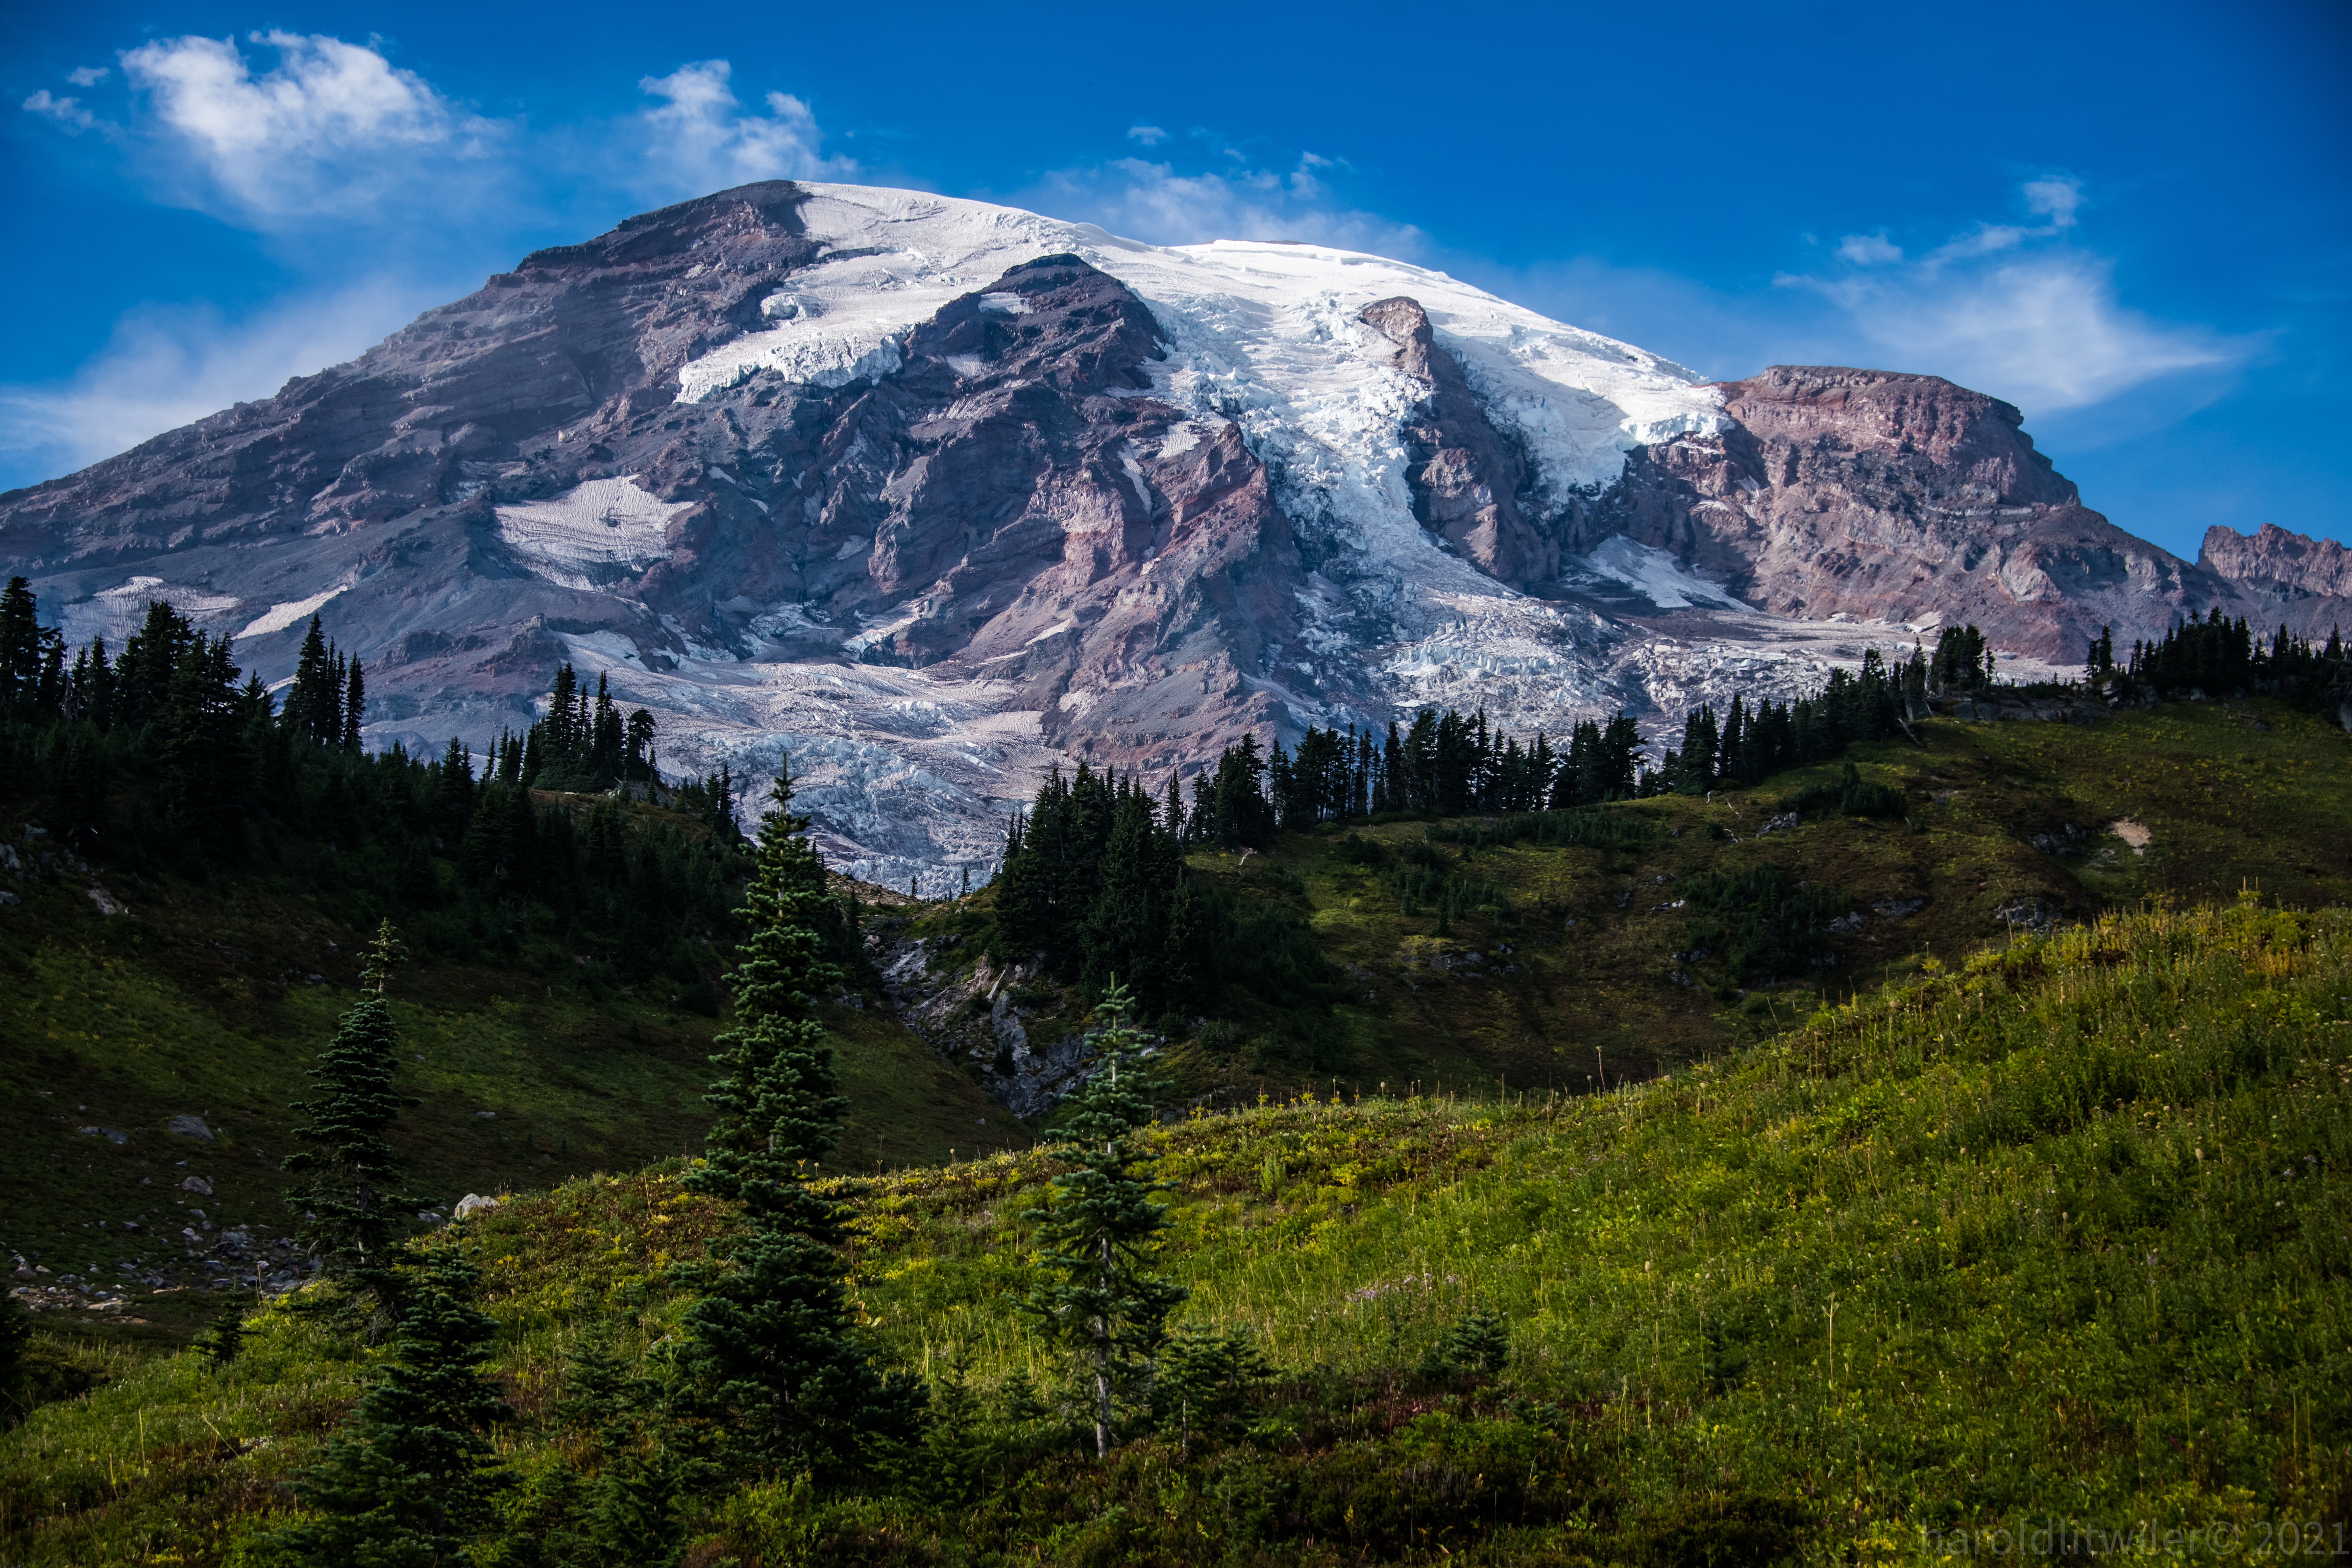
352 1216
412 1477
1100 1232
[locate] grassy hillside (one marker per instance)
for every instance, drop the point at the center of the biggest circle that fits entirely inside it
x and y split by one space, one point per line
1581 971
210 995
210 998
2054 1237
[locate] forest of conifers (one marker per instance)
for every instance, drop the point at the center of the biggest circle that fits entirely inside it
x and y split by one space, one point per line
168 755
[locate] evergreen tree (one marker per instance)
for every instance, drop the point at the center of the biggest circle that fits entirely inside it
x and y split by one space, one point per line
89 690
615 1497
1099 1233
1477 1344
640 746
1126 932
412 1477
773 1349
355 707
313 707
453 790
202 769
352 1219
221 1344
26 651
1208 1378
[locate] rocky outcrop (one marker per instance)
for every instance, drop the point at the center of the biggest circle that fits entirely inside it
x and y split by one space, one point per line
981 1016
1466 476
2286 578
1879 496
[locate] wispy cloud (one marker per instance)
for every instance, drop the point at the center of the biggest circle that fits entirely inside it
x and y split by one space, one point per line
333 153
166 366
67 111
2015 309
699 139
2056 199
332 129
1869 250
1154 201
1150 135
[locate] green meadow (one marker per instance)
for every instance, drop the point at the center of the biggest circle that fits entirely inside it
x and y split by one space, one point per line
2051 1238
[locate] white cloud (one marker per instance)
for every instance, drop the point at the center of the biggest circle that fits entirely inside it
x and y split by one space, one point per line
67 111
698 139
1869 250
87 76
2026 314
2045 332
1150 201
1150 135
2055 199
167 365
329 130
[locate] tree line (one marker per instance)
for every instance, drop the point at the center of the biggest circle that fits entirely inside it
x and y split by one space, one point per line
2219 655
1094 886
167 756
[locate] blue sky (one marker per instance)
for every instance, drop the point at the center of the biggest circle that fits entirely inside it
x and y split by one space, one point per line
2131 221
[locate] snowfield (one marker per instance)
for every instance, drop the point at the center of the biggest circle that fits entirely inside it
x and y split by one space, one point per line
1263 333
610 524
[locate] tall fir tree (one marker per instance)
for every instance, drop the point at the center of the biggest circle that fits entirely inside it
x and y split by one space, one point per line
1099 1234
201 770
773 1349
412 1478
355 707
311 703
352 1219
25 649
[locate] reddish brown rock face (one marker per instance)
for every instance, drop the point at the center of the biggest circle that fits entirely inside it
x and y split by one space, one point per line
1881 495
1056 525
2288 578
1465 476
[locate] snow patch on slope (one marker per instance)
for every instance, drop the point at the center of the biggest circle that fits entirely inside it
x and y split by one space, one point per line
1656 576
115 613
597 530
277 617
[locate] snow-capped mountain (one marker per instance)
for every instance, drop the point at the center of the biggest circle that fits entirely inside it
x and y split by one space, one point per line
932 494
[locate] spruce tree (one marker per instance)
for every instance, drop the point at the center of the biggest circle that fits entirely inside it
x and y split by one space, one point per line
773 1349
351 1218
1099 1233
1208 1378
22 644
201 767
1126 932
355 707
411 1477
221 1344
310 703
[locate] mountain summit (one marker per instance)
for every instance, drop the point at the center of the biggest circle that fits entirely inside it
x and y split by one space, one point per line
934 493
